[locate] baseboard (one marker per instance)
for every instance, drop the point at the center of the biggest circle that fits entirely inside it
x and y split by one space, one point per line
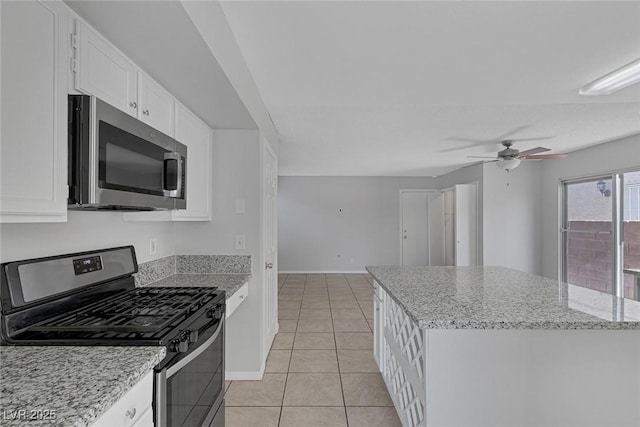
324 272
244 376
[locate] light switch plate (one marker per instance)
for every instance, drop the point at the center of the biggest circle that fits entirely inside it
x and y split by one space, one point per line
240 206
240 243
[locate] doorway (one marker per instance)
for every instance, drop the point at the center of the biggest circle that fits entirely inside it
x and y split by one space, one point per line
601 233
453 223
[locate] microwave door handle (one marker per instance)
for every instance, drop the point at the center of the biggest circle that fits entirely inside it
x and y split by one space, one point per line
177 193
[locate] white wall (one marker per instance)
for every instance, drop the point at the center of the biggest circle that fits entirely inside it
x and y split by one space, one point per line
236 175
620 154
511 226
82 232
312 230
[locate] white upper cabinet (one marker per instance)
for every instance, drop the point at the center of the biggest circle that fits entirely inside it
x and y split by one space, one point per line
155 105
33 127
103 71
196 135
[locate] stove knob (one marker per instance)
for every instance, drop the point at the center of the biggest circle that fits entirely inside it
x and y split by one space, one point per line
180 346
216 312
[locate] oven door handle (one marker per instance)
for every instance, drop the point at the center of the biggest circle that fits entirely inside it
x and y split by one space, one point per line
177 192
195 353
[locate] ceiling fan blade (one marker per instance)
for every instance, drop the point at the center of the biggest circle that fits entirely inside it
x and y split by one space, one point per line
545 156
462 139
512 132
540 138
533 151
447 150
482 157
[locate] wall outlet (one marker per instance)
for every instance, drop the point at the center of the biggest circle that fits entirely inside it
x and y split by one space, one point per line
240 243
153 246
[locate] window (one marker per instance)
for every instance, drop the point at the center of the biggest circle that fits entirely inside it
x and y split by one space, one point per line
601 233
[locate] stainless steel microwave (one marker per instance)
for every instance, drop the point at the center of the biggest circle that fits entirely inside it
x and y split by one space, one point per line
117 162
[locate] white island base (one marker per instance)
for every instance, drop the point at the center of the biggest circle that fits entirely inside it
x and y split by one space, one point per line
507 377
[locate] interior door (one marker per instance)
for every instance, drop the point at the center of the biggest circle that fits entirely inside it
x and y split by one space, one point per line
437 230
270 227
415 227
465 225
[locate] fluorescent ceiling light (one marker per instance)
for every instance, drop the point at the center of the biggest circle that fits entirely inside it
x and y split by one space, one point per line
508 164
615 80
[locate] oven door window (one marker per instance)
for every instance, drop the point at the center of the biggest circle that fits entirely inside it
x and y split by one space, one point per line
195 391
129 163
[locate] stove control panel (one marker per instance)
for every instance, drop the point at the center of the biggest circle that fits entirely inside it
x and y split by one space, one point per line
87 265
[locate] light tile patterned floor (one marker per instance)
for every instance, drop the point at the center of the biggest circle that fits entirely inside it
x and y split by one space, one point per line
320 371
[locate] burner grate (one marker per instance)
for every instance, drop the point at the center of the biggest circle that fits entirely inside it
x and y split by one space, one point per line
137 313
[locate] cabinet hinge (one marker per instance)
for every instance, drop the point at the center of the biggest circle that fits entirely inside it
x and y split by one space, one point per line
74 65
74 41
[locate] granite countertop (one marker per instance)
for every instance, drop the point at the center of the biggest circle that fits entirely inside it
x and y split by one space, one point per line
229 283
500 298
78 383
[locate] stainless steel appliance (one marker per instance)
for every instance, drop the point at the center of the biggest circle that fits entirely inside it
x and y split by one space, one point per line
117 162
90 298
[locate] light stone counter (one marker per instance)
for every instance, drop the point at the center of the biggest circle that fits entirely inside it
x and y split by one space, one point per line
500 298
77 384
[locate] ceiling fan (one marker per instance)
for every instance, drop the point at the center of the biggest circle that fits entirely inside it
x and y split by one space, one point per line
510 158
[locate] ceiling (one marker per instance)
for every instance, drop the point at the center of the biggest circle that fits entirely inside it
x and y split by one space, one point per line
395 88
161 39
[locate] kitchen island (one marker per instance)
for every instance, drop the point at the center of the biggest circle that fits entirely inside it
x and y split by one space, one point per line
490 346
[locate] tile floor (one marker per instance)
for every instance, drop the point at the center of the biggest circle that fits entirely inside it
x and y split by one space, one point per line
320 371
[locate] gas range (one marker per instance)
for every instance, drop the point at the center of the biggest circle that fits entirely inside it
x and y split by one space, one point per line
90 299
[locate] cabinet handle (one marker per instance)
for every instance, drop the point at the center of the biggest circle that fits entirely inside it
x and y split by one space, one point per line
131 413
145 112
133 104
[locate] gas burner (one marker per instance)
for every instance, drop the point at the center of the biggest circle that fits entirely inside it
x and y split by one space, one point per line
144 320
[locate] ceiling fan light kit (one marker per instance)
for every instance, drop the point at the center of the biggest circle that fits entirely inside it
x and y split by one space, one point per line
508 164
614 81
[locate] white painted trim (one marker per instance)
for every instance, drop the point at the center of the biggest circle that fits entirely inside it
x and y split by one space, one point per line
324 272
245 376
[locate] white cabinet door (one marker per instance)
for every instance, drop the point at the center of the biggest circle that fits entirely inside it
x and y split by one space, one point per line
133 408
196 135
105 72
33 128
155 105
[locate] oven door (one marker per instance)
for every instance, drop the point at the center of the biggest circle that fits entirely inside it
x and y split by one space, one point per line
190 392
137 165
